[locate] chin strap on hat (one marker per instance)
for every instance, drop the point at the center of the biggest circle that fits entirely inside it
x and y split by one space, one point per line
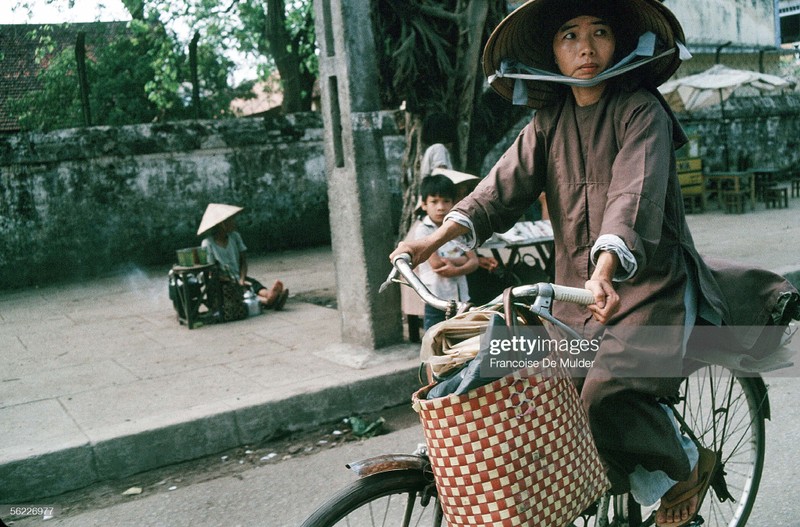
644 52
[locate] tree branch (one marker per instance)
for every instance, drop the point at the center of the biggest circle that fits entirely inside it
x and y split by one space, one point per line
413 7
439 13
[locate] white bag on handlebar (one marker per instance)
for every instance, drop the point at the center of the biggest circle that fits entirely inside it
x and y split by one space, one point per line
454 342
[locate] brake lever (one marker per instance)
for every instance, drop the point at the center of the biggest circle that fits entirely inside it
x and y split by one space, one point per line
392 276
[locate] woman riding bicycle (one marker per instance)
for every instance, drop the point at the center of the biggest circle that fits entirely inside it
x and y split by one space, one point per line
601 148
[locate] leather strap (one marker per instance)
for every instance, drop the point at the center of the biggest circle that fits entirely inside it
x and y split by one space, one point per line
509 309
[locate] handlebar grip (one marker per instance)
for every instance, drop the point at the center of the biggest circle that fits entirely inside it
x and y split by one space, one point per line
575 295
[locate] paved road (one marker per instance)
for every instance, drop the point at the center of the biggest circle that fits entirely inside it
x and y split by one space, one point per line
282 495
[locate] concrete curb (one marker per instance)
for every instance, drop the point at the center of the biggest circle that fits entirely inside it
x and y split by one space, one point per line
203 435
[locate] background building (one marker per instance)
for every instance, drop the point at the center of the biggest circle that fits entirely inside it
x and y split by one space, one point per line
789 14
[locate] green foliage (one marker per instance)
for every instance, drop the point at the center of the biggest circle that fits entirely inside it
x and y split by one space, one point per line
137 77
287 37
144 74
57 104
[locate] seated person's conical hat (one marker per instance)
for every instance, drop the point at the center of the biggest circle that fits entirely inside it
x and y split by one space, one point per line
215 214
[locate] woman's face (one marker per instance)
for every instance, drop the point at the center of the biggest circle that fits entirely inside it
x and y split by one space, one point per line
228 226
584 47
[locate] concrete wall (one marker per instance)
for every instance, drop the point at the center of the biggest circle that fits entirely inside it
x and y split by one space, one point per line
82 202
749 25
713 22
757 132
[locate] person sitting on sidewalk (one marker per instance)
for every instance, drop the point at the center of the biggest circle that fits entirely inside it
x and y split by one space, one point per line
444 273
226 248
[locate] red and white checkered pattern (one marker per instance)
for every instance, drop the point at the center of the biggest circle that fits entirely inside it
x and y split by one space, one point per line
517 451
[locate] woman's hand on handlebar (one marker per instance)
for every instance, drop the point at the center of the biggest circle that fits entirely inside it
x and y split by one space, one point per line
420 250
606 299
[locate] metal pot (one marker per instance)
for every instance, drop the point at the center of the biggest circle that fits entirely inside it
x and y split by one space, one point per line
252 303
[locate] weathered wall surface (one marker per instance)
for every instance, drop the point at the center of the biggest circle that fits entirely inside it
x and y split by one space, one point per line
749 26
756 132
82 202
745 22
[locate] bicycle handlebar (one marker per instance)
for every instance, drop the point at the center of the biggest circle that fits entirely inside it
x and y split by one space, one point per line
562 293
402 263
576 295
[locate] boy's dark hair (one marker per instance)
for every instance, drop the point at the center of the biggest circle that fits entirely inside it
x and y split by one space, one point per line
437 185
438 128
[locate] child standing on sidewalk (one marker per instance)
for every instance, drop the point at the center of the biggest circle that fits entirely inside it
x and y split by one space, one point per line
444 273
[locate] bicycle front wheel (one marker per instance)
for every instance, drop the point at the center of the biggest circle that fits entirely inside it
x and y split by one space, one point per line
726 413
397 498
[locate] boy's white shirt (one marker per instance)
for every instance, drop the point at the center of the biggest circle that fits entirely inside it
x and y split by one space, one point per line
454 288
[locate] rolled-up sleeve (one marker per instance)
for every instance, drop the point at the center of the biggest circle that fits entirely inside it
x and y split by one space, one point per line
613 243
467 241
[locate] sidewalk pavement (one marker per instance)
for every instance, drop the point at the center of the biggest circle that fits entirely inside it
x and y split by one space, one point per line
99 381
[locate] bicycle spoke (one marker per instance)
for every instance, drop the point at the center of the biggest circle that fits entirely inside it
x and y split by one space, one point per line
724 413
401 508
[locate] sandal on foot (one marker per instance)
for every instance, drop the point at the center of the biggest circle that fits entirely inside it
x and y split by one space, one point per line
705 470
281 300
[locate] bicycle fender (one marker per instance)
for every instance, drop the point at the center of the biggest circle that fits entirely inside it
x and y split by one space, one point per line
761 392
388 463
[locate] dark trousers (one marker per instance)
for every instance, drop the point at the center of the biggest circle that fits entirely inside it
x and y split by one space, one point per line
432 317
632 370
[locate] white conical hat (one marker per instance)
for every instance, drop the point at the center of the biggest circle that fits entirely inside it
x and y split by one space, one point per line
454 175
215 214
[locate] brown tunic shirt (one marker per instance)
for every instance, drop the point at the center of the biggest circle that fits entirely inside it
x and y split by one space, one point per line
610 169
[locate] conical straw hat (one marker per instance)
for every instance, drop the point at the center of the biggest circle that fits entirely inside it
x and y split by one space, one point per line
526 36
454 175
215 214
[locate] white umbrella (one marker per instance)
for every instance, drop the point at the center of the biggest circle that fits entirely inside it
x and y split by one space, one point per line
716 85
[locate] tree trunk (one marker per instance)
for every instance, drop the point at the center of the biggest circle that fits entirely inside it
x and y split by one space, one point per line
296 89
135 8
83 82
410 172
471 27
471 21
194 75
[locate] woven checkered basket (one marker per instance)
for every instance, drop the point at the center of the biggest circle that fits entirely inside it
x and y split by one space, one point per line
517 451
